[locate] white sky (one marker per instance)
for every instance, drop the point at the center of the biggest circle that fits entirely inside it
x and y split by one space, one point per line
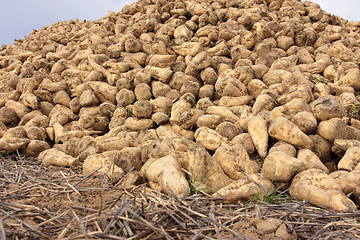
19 17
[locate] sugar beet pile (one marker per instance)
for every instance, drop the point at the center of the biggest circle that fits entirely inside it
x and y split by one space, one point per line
178 91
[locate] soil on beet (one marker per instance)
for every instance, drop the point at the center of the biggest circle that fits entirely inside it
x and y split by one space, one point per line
39 202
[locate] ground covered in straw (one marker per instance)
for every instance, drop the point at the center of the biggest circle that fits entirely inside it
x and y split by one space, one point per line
60 203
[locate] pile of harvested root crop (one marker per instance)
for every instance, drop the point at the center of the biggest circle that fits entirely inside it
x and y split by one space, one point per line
233 98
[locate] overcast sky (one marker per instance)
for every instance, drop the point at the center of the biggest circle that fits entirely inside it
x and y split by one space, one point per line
19 17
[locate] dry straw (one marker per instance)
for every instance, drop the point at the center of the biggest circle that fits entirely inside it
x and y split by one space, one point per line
91 210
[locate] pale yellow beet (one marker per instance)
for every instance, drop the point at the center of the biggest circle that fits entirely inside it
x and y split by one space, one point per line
257 128
320 189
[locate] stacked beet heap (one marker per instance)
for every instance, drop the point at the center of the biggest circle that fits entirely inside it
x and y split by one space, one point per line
237 95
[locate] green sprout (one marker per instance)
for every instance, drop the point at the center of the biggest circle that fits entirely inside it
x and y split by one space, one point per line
316 79
129 112
335 61
271 195
194 186
189 99
353 111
